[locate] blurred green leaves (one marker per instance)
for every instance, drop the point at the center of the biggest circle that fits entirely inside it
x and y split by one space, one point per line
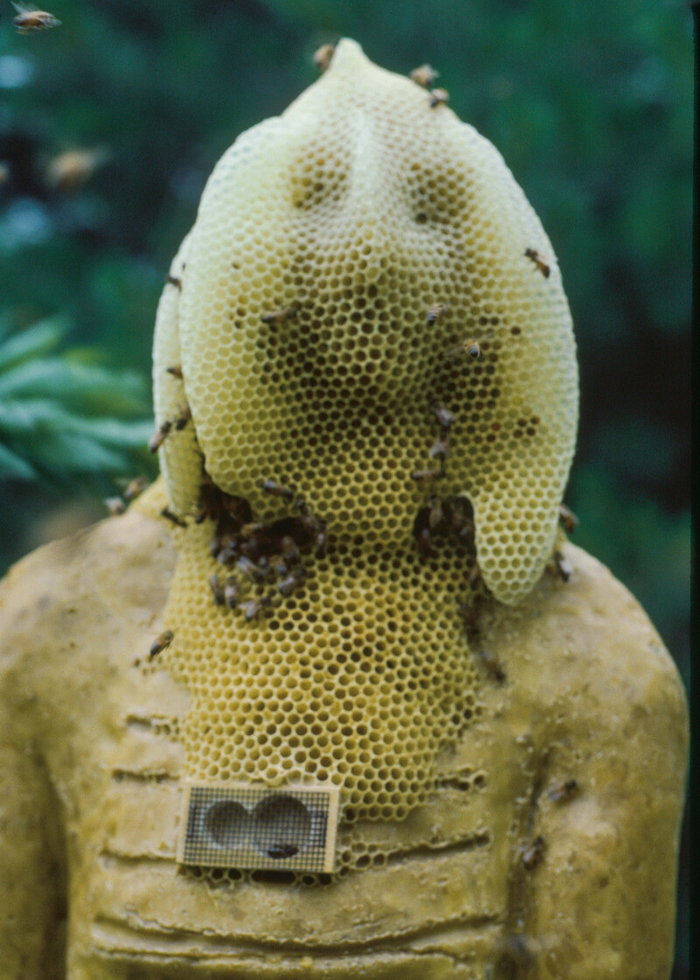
62 415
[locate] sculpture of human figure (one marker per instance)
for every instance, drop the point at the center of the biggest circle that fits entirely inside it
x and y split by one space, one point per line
431 738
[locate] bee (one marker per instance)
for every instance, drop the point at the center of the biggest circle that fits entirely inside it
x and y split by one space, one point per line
159 436
421 532
28 19
543 263
134 488
279 316
251 569
439 96
439 447
461 516
533 854
183 418
436 513
70 170
160 643
4 172
174 281
290 551
115 506
282 850
470 616
255 606
472 348
425 75
323 56
424 476
175 370
568 520
493 666
443 415
170 516
561 792
231 592
289 584
474 575
435 312
563 566
277 490
217 590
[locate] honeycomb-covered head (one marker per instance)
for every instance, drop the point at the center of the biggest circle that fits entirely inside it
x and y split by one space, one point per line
356 264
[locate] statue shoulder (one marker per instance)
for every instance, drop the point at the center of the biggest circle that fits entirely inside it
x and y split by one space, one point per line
119 568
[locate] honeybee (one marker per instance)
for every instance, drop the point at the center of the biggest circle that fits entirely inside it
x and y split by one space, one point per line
217 590
290 551
159 436
421 532
436 513
470 616
175 370
423 476
174 281
183 418
561 792
439 96
4 172
443 415
493 665
474 575
471 348
170 516
440 446
231 592
323 56
282 850
289 584
568 520
251 569
70 170
563 566
425 75
435 312
115 506
279 316
277 490
134 488
533 854
255 606
543 263
160 643
28 19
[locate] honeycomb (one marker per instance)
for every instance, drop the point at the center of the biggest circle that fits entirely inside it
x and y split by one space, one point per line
368 428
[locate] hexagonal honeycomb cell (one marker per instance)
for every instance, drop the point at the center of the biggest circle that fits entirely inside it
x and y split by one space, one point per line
370 331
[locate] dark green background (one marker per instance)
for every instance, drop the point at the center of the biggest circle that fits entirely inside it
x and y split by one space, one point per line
590 104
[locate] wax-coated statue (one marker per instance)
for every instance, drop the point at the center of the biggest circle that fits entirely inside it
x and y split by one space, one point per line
336 697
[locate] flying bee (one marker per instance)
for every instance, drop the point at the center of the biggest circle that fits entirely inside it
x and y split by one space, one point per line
533 853
183 418
28 19
217 590
440 446
160 643
443 415
231 592
279 316
159 436
439 96
70 170
175 370
493 666
255 606
543 262
277 490
472 348
4 172
170 516
323 56
561 792
115 506
174 281
563 566
424 476
134 488
435 312
424 75
568 520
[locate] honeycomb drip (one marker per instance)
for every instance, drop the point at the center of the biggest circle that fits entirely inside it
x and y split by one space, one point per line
299 312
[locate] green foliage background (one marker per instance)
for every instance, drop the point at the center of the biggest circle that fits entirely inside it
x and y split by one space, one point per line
589 103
